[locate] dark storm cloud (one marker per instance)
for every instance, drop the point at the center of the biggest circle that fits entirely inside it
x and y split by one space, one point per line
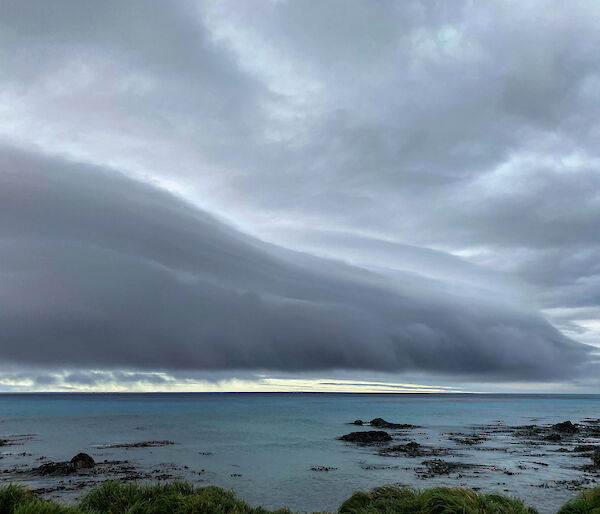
102 271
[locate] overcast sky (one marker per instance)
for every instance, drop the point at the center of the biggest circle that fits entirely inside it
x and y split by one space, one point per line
302 195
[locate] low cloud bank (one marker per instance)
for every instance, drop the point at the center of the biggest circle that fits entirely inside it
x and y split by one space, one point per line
102 271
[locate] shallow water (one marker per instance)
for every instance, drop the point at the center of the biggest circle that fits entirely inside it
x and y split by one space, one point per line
263 445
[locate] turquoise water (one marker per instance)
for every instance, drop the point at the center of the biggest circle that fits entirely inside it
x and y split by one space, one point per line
269 442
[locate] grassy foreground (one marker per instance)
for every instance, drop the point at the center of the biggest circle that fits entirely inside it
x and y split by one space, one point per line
114 497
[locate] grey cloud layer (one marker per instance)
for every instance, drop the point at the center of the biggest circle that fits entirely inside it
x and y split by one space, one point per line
467 127
102 271
382 136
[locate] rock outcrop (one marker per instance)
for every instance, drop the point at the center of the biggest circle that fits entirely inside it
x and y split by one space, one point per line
382 423
80 461
566 427
368 437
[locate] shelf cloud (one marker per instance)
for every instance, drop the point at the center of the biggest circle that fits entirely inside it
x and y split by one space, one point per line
100 270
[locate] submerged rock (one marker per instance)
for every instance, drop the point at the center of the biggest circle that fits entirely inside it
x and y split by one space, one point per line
441 467
468 439
142 444
581 448
358 422
596 457
322 468
368 437
566 427
411 449
553 437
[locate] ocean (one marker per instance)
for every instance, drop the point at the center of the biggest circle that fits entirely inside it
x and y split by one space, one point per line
263 446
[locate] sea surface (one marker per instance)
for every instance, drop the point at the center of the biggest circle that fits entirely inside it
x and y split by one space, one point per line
263 446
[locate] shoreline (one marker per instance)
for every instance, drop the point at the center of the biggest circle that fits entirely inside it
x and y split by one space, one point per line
545 463
579 441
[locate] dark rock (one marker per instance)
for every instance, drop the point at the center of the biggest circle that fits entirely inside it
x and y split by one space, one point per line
368 437
553 437
358 422
55 468
413 449
379 423
322 468
82 460
382 423
566 427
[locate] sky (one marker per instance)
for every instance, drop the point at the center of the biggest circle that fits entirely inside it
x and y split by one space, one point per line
300 195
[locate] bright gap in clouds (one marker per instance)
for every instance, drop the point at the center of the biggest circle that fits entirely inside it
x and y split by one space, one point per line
161 382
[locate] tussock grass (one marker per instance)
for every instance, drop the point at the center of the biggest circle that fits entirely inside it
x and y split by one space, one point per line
10 496
114 497
587 502
15 499
439 500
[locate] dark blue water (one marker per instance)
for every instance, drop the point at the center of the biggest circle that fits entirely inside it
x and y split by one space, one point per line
269 442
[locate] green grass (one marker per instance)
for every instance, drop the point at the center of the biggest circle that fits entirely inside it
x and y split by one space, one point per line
587 502
440 500
114 497
15 499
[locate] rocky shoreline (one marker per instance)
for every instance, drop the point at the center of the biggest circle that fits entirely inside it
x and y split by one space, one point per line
83 471
581 441
531 448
